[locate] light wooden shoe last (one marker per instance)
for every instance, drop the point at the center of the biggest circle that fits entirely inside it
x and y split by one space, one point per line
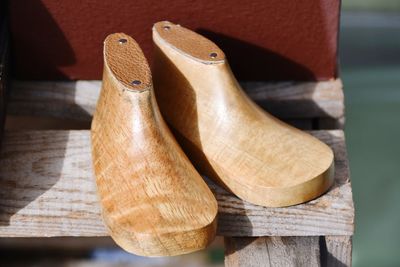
229 138
153 201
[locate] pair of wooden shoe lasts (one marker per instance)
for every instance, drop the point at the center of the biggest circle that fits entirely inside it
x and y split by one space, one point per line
154 201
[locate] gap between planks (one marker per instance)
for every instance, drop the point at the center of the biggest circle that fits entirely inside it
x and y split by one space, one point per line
47 189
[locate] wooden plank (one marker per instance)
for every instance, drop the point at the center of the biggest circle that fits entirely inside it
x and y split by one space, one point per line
299 99
77 100
336 251
47 189
330 251
272 251
69 100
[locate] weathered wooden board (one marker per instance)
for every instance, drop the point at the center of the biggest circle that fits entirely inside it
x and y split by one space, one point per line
47 189
329 251
336 251
272 251
77 100
299 99
70 100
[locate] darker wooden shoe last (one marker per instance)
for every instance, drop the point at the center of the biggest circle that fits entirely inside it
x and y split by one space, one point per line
154 203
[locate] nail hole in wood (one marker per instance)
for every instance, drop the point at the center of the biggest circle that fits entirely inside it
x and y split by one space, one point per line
213 55
122 41
136 82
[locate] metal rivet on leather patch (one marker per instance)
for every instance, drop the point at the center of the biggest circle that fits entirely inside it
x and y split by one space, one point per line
213 55
136 82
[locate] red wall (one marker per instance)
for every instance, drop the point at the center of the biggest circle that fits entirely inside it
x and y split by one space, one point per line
263 39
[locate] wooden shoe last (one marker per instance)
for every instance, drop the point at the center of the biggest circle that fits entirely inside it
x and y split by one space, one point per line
153 201
228 137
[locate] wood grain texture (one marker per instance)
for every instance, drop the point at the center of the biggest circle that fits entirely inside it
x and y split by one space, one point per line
227 137
329 251
337 251
153 201
299 99
47 189
272 251
77 99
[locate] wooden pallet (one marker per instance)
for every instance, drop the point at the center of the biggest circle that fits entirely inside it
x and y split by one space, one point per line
47 187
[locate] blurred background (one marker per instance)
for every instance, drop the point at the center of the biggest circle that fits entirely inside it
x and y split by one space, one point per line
370 69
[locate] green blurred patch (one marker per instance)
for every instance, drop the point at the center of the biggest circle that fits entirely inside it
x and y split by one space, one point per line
216 255
370 57
371 5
